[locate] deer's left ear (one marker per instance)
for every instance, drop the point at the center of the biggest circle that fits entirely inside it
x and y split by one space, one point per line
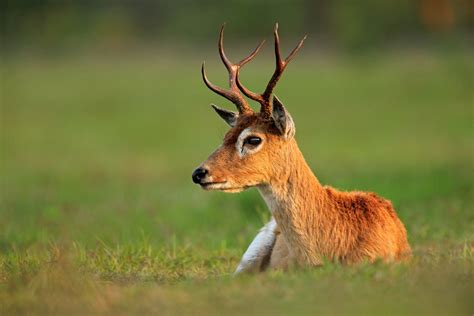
283 120
228 116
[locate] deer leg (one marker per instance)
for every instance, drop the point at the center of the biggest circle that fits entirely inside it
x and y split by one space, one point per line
257 256
281 258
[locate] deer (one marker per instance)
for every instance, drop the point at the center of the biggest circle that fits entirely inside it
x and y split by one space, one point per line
310 223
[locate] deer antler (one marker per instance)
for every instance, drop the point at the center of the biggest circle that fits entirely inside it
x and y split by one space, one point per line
233 94
265 98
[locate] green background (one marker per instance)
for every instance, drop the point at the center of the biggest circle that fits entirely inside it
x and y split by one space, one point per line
104 117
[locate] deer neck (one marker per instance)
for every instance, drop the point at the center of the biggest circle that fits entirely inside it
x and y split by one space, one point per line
299 204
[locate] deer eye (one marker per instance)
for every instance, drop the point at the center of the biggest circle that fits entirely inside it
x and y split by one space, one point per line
252 140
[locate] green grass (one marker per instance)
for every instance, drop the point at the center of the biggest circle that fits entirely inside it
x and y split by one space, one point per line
98 213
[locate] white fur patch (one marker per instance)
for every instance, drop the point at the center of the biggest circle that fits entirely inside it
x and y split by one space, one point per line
268 197
260 247
222 186
239 145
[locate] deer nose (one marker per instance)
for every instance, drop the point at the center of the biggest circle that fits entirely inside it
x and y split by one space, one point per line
199 174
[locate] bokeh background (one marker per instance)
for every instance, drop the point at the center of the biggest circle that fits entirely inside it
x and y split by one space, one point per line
104 116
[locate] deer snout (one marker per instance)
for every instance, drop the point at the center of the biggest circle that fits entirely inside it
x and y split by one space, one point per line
199 174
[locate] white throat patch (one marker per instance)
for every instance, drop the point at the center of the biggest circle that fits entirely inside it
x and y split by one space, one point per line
269 197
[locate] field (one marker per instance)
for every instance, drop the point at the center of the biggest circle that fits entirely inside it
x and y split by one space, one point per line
98 214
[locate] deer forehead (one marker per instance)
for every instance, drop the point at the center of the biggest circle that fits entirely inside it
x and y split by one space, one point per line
243 123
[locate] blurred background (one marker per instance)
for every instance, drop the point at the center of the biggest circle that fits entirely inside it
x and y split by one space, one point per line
59 27
103 117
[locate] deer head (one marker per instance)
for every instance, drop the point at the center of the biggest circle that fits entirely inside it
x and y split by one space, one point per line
257 147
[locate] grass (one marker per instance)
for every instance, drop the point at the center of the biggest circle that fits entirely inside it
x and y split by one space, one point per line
98 214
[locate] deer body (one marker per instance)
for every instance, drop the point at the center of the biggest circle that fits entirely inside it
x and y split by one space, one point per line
319 223
310 223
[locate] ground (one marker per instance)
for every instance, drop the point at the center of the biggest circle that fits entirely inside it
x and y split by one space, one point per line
98 213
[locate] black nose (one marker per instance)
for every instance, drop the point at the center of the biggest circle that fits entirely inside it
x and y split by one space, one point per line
199 174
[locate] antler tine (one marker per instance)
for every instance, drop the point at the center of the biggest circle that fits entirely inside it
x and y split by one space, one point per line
251 95
295 50
229 95
224 58
265 97
233 94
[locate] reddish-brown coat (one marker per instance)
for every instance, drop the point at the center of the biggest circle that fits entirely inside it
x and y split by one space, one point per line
315 222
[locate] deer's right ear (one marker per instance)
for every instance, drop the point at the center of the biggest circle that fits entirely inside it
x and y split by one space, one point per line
228 116
283 120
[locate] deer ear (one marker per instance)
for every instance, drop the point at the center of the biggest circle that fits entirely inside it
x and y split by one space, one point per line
283 120
228 116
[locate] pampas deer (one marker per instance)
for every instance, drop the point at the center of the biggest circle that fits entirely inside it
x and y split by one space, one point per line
310 222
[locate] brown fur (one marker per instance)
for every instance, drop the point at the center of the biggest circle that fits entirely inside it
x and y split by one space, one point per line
315 222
